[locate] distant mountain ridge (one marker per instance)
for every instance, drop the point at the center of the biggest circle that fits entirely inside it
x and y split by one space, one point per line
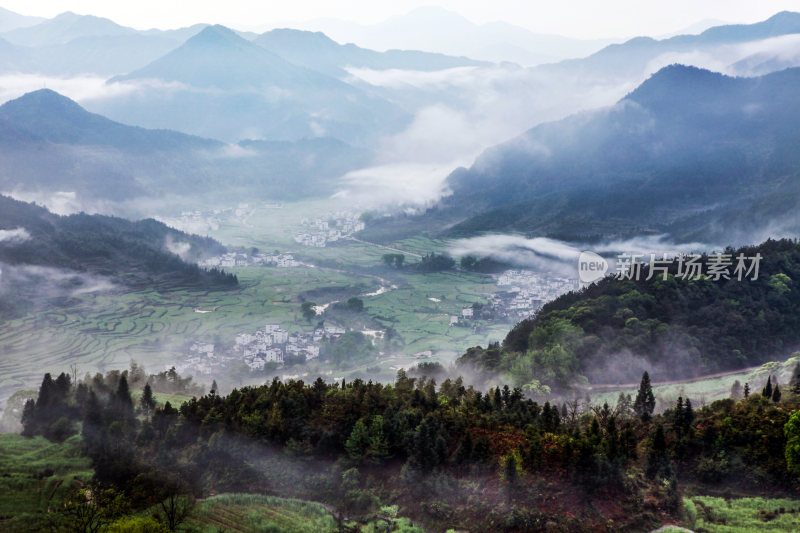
246 91
681 154
632 56
57 119
317 51
49 143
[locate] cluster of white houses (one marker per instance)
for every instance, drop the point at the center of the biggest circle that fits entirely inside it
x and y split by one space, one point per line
331 228
242 259
525 291
272 344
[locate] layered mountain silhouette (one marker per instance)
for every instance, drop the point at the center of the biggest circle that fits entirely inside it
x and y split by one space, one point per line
691 153
226 87
11 21
638 56
317 51
51 144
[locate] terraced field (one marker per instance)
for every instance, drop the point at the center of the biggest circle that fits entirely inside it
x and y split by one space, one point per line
251 513
35 474
100 332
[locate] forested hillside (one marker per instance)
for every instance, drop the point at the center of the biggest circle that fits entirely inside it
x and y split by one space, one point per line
131 254
614 329
694 154
448 456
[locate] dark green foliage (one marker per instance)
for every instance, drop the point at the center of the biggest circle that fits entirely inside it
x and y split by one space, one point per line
484 265
308 311
435 263
766 392
776 394
689 327
645 402
412 441
130 253
147 401
599 171
657 458
394 260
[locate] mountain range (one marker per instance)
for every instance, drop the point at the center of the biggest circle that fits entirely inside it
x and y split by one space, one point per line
643 55
51 144
434 29
690 153
319 52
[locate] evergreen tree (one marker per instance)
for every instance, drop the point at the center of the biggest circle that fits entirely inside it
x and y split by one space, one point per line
766 392
378 448
358 442
510 470
688 414
657 460
776 394
123 398
214 387
746 390
28 419
645 401
147 401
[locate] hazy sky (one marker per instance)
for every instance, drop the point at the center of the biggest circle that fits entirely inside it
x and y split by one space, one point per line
578 18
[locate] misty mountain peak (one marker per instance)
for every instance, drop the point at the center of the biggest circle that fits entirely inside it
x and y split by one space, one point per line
675 83
43 101
216 35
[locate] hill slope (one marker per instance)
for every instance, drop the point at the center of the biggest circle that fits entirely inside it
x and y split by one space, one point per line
245 91
613 330
46 255
51 144
691 153
317 51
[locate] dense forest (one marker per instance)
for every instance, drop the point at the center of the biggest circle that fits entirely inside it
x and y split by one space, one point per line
449 456
615 328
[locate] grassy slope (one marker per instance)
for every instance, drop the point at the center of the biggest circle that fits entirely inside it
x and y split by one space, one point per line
742 515
705 391
251 513
35 474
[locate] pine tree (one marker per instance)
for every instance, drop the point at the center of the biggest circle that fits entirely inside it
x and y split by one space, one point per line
378 448
645 401
776 394
358 442
657 460
29 419
679 414
766 392
510 470
147 401
746 390
214 387
123 397
688 413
